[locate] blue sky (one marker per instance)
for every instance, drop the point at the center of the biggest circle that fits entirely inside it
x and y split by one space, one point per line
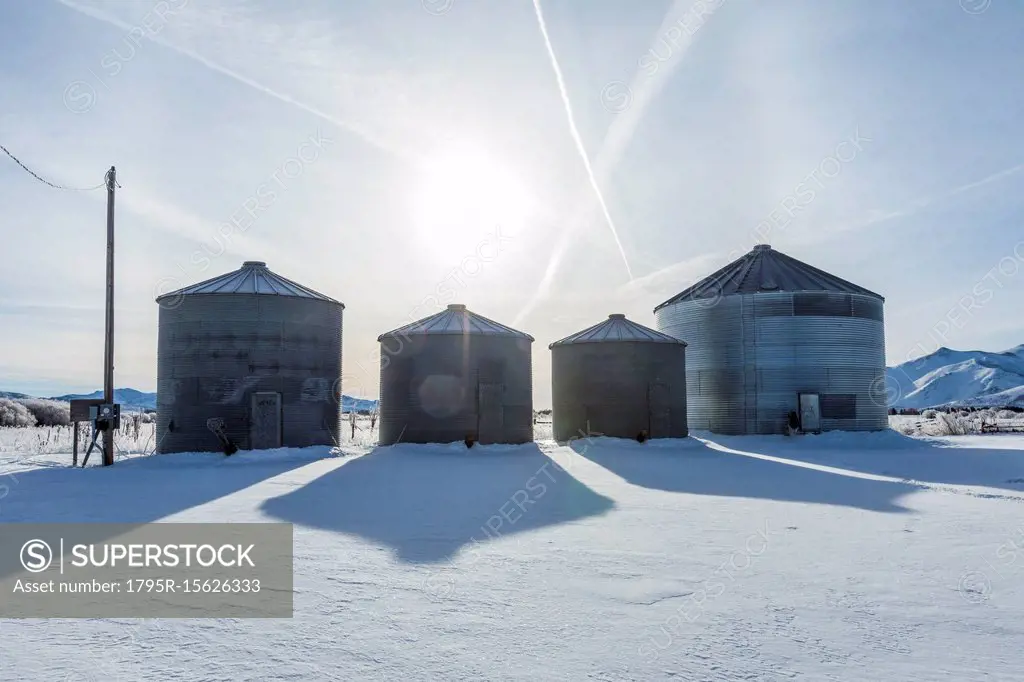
424 126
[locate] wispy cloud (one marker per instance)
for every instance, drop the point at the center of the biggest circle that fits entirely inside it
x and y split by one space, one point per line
674 278
875 217
230 73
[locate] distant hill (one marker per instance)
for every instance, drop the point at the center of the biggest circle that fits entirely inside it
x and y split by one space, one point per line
133 401
968 378
350 404
129 398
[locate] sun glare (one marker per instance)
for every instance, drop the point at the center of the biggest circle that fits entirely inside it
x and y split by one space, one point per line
464 194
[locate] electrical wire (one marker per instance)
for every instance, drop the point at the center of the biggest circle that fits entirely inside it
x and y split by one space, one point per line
47 182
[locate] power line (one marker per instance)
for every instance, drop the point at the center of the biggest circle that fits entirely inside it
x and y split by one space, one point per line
47 182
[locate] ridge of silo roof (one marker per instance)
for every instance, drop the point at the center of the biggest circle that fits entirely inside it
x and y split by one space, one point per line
763 269
615 329
252 278
456 319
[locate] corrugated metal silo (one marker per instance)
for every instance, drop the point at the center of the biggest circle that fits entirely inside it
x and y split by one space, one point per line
769 334
255 350
456 375
618 378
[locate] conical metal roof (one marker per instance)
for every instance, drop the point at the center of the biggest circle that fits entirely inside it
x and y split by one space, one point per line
455 320
617 328
252 278
764 269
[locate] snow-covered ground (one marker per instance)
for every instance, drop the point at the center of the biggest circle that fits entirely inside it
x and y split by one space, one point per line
833 557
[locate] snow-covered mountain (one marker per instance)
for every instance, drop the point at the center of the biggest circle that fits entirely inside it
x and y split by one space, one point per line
350 404
968 378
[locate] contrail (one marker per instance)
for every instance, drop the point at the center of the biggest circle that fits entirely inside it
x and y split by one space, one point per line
917 205
991 178
345 125
644 90
576 134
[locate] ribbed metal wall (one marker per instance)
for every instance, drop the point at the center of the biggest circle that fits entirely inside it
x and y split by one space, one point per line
430 388
749 356
215 350
606 388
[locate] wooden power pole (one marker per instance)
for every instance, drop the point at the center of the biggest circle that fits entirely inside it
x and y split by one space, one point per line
108 356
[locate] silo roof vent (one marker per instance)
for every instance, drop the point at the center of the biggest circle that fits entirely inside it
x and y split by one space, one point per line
617 328
252 278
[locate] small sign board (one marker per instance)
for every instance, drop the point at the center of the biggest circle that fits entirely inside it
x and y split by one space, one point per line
80 408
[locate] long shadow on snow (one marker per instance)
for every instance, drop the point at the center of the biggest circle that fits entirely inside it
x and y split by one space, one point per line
135 491
892 454
426 502
689 466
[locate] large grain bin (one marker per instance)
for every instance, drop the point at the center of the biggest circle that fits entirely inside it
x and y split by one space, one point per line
255 350
621 379
768 335
453 376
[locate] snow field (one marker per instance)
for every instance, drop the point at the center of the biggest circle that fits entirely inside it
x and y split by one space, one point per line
833 557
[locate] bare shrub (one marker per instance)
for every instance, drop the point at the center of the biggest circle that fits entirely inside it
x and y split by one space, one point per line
1007 415
929 414
13 413
953 424
48 412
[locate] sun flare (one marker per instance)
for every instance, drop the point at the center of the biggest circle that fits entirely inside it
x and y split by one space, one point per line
464 194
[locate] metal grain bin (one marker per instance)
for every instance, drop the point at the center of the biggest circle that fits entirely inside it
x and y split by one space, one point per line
621 379
769 334
456 375
255 350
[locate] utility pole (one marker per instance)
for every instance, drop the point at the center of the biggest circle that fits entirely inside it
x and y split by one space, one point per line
108 357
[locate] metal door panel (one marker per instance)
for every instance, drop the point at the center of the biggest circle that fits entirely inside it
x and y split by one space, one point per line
659 398
810 412
265 421
491 415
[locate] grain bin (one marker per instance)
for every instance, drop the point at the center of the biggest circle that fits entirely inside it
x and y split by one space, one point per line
621 379
769 334
454 376
253 355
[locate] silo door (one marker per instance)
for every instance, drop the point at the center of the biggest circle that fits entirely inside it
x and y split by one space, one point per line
491 413
659 400
265 421
810 412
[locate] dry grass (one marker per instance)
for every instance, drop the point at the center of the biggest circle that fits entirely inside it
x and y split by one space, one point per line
131 440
